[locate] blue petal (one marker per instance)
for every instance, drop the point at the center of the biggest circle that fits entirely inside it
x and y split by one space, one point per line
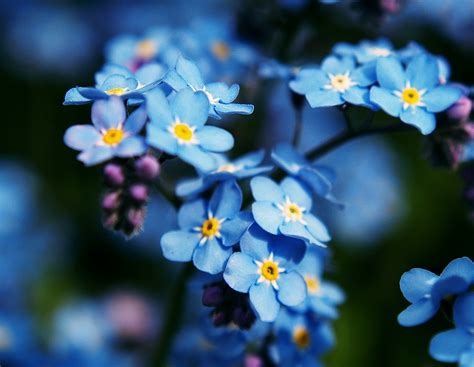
324 98
92 93
386 100
317 228
449 345
315 180
462 267
264 301
448 286
179 245
136 121
285 156
119 81
297 192
73 97
288 251
423 72
211 257
235 108
199 158
161 139
292 289
158 108
189 72
423 120
224 93
390 74
265 189
192 214
365 75
358 96
334 65
175 81
418 313
190 187
251 159
215 139
110 69
233 230
240 272
416 284
267 216
81 137
226 200
255 243
308 80
96 155
463 314
441 98
312 263
108 113
150 73
191 107
300 231
131 146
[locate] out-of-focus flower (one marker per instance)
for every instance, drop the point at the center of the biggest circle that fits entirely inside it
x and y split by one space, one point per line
111 135
366 51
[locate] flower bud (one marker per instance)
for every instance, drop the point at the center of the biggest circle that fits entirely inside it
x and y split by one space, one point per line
243 317
213 296
252 360
147 167
139 193
461 109
219 318
136 218
110 221
111 200
114 175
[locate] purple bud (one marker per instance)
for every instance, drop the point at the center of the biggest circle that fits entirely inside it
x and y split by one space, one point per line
213 296
469 129
390 6
243 317
114 175
111 200
139 193
147 167
252 360
110 221
136 218
219 318
461 109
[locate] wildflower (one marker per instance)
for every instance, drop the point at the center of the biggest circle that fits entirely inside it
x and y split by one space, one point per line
366 51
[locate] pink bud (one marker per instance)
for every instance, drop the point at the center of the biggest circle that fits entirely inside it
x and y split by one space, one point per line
114 175
461 109
147 167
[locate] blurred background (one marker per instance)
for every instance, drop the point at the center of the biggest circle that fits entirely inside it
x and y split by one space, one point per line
70 286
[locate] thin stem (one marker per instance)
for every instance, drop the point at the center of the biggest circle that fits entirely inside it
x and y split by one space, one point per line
174 314
349 135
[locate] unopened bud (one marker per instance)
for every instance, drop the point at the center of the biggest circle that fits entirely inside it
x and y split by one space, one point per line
139 193
461 109
213 296
111 200
113 174
252 360
147 167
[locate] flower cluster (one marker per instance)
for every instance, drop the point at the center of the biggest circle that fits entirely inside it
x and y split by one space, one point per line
427 292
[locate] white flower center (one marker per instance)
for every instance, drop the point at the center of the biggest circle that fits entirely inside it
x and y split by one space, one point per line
340 82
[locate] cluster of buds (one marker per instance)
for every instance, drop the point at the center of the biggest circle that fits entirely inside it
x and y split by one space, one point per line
230 307
128 188
445 147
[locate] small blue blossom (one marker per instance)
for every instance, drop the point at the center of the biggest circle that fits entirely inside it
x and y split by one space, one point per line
285 209
414 93
425 290
221 96
177 128
240 168
300 340
337 81
208 230
264 269
111 135
318 177
366 51
457 345
323 296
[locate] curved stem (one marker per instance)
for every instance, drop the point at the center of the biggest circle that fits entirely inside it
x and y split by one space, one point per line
348 135
174 314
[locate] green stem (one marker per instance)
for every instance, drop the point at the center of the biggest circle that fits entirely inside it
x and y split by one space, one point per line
174 315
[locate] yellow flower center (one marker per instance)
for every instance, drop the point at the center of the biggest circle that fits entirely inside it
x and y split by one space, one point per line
210 227
146 49
379 51
301 337
220 50
312 283
411 96
293 212
228 168
341 82
113 136
270 270
116 91
183 132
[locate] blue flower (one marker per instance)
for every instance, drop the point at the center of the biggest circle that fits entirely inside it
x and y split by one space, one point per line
413 94
221 96
323 296
457 345
300 340
240 168
177 128
285 209
208 230
337 81
116 80
318 177
111 135
264 269
366 51
425 290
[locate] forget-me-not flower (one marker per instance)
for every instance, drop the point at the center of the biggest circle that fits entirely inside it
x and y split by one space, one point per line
264 269
240 168
414 94
208 229
221 96
337 81
285 209
177 128
425 290
111 135
366 51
